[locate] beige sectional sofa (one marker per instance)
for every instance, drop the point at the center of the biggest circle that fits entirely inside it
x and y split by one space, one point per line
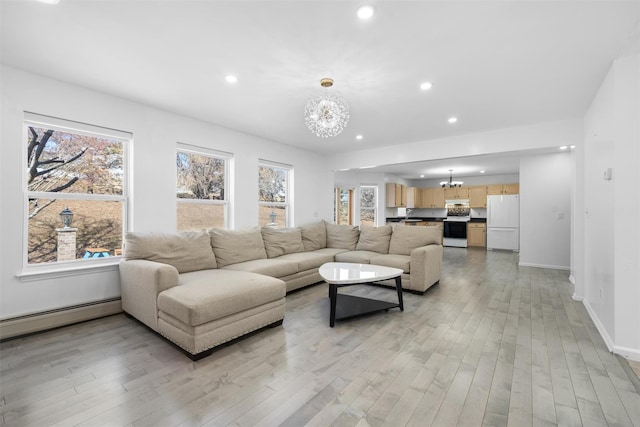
202 289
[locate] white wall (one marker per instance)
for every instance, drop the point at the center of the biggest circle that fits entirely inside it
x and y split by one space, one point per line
152 199
545 211
543 135
608 270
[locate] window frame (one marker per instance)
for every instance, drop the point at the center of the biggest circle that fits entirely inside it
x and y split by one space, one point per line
79 128
375 204
288 204
208 152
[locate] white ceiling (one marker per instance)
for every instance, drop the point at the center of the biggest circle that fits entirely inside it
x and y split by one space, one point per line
493 64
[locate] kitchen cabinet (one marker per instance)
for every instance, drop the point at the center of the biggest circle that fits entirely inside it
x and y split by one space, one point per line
431 198
498 189
477 234
456 193
478 196
396 195
414 197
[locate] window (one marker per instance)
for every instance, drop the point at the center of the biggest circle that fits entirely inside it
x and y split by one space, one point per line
342 206
79 169
368 203
201 188
273 193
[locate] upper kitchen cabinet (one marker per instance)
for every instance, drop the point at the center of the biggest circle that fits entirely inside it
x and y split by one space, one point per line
478 196
414 197
396 195
431 197
456 193
497 189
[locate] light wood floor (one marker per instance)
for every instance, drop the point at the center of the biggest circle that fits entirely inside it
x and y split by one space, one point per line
492 344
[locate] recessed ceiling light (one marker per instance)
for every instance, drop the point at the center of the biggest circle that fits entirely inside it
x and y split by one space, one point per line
452 119
49 1
564 147
481 171
426 86
359 137
231 79
366 12
572 146
421 176
367 167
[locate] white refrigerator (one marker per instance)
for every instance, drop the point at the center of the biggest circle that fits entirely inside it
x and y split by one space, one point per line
503 222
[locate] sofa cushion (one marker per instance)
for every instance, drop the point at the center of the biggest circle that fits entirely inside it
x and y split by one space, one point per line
203 296
330 251
308 260
358 257
342 236
281 241
234 246
402 262
314 236
375 239
186 251
269 267
406 238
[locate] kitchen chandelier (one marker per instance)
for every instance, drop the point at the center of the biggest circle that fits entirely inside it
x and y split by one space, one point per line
326 115
451 182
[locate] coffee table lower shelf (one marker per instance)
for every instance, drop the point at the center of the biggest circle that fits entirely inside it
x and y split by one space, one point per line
350 306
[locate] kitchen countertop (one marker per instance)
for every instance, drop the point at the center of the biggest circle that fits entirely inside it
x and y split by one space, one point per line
413 219
478 220
432 219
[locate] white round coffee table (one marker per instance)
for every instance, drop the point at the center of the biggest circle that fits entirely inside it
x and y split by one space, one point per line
340 274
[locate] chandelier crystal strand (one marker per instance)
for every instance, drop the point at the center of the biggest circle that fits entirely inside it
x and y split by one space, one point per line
326 115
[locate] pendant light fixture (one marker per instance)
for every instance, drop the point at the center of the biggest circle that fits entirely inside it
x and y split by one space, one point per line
326 115
451 183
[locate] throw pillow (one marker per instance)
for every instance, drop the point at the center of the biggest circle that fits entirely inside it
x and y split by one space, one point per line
342 236
234 246
186 251
314 236
282 241
375 239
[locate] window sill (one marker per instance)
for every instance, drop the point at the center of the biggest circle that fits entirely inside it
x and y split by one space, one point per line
50 272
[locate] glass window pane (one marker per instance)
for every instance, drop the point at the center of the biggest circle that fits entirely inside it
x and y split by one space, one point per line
265 211
368 217
66 162
344 211
200 216
96 227
200 177
272 184
368 197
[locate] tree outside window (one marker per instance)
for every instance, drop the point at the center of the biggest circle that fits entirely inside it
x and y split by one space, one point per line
368 203
80 168
201 190
273 194
342 206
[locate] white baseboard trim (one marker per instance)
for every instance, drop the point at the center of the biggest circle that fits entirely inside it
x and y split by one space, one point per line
572 279
552 267
23 325
626 352
577 298
603 332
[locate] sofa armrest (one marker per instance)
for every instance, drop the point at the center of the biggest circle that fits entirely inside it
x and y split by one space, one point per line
426 266
140 283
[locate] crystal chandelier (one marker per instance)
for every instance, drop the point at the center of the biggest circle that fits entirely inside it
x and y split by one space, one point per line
451 182
326 115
